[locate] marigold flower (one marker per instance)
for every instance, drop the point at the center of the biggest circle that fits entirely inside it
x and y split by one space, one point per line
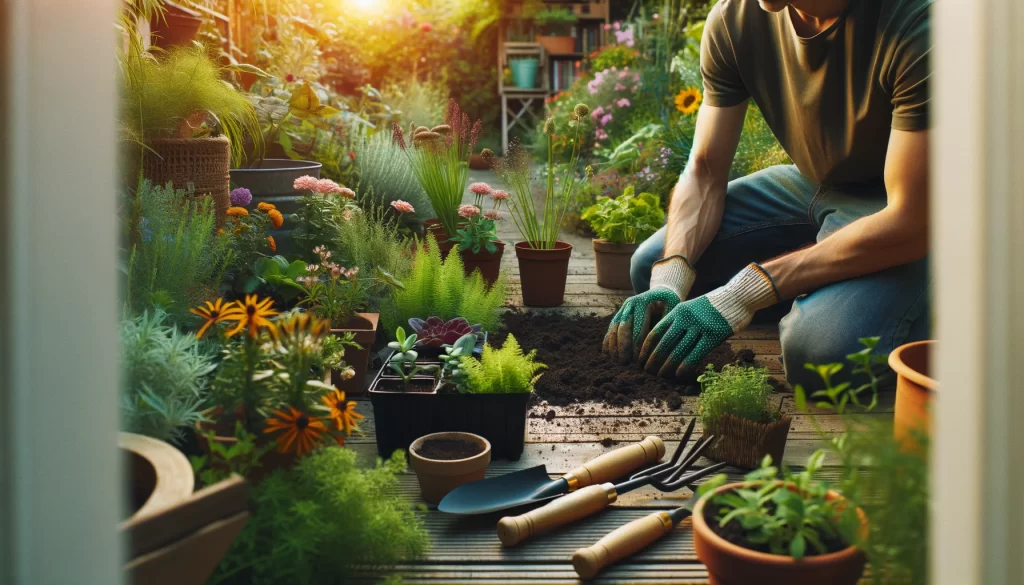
500 195
480 188
276 219
265 207
403 206
272 243
306 183
241 197
492 214
468 211
237 211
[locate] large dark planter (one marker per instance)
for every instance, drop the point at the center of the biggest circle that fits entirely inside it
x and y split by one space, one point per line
177 27
613 262
543 273
488 263
364 326
272 182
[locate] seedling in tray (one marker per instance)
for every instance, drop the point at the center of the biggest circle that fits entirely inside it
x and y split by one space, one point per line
403 361
451 362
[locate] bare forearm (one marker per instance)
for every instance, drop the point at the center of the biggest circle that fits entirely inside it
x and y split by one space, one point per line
695 212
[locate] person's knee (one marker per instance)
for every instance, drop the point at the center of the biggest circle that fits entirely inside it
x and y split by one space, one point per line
809 340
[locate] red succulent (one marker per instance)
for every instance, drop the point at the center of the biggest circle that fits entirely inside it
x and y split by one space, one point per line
435 332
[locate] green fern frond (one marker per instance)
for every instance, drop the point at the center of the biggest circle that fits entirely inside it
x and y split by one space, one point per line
503 371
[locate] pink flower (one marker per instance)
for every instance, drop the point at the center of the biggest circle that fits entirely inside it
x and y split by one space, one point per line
426 27
607 26
600 134
480 188
617 26
403 206
623 103
492 214
607 118
500 195
306 183
597 113
655 16
347 193
468 211
619 87
324 186
597 145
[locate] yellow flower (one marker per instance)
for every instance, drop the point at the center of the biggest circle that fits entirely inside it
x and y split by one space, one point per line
253 315
301 431
216 312
237 211
264 206
343 412
276 219
272 243
688 100
298 328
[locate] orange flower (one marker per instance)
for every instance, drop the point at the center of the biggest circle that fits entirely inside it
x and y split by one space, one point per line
276 219
237 211
272 243
253 314
301 431
217 312
220 231
264 206
343 412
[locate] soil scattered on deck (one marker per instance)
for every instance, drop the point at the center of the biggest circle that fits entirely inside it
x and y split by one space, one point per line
577 370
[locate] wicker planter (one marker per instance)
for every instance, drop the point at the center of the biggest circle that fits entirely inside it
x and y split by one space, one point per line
744 443
203 162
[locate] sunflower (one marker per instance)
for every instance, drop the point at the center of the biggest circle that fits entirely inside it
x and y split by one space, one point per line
216 312
272 243
276 219
688 100
301 431
237 211
264 206
343 412
253 314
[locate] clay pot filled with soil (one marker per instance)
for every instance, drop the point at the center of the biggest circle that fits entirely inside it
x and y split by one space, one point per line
915 389
613 264
489 264
364 326
733 561
744 443
543 273
444 461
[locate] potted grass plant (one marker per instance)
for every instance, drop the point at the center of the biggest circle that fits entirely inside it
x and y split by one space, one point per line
478 240
734 406
621 224
543 258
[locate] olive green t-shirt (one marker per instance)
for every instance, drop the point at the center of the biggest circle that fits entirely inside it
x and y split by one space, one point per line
830 99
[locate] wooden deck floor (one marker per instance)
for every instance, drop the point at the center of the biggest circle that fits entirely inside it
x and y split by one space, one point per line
468 550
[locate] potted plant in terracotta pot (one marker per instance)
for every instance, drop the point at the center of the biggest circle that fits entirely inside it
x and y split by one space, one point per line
543 259
478 240
174 26
557 26
734 407
444 461
621 224
915 388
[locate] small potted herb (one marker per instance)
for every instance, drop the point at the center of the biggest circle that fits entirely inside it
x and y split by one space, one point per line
792 530
478 240
557 28
621 224
734 406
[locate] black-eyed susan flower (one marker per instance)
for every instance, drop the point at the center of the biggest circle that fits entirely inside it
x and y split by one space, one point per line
688 100
254 315
298 328
216 312
299 431
343 412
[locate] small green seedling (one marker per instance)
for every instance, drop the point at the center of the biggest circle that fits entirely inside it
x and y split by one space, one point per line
451 361
403 361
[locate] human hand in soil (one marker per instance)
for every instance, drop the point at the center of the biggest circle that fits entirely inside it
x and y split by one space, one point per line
671 279
683 338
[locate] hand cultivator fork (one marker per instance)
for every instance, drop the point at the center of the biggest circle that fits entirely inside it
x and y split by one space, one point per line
666 477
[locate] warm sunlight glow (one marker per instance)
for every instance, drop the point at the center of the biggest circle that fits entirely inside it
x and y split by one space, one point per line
366 5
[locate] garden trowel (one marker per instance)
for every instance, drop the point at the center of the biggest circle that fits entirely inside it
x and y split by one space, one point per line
535 485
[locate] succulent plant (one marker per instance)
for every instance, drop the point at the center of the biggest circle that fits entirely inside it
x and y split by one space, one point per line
436 333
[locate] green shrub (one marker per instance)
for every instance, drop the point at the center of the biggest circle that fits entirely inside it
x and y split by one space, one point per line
436 288
741 391
175 258
627 219
314 523
502 371
386 175
164 377
371 240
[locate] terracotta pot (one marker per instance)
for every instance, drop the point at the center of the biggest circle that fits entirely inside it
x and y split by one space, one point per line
176 28
489 264
557 45
543 273
915 388
477 162
731 564
613 264
364 326
437 477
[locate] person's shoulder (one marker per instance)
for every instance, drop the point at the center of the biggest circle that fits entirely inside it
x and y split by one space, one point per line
735 16
904 15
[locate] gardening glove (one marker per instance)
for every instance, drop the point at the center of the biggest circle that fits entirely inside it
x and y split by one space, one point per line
692 329
671 279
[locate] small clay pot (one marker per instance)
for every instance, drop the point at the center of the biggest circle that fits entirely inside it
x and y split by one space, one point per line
915 389
731 564
613 264
364 326
438 477
557 45
543 273
488 263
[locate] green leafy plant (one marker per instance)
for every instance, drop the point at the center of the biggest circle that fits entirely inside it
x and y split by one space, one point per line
165 377
403 361
452 369
502 371
627 219
554 21
480 231
173 252
240 456
789 516
318 521
741 391
276 275
317 223
441 288
371 241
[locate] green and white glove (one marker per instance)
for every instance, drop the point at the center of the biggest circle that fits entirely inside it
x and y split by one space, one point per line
671 279
692 329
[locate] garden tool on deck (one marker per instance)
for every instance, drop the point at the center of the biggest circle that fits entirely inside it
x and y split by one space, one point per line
667 477
535 485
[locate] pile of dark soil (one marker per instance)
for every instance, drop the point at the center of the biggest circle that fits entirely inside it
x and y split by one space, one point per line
447 449
577 370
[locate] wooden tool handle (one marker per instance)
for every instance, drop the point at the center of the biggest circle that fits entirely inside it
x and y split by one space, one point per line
621 543
616 464
561 511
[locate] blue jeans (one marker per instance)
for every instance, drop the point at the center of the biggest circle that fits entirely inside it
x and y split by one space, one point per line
778 210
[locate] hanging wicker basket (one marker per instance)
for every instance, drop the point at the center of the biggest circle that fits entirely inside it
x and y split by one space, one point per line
203 162
744 443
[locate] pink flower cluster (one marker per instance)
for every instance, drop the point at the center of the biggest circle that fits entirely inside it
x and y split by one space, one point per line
500 195
322 186
468 211
332 269
403 206
480 188
624 79
492 214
